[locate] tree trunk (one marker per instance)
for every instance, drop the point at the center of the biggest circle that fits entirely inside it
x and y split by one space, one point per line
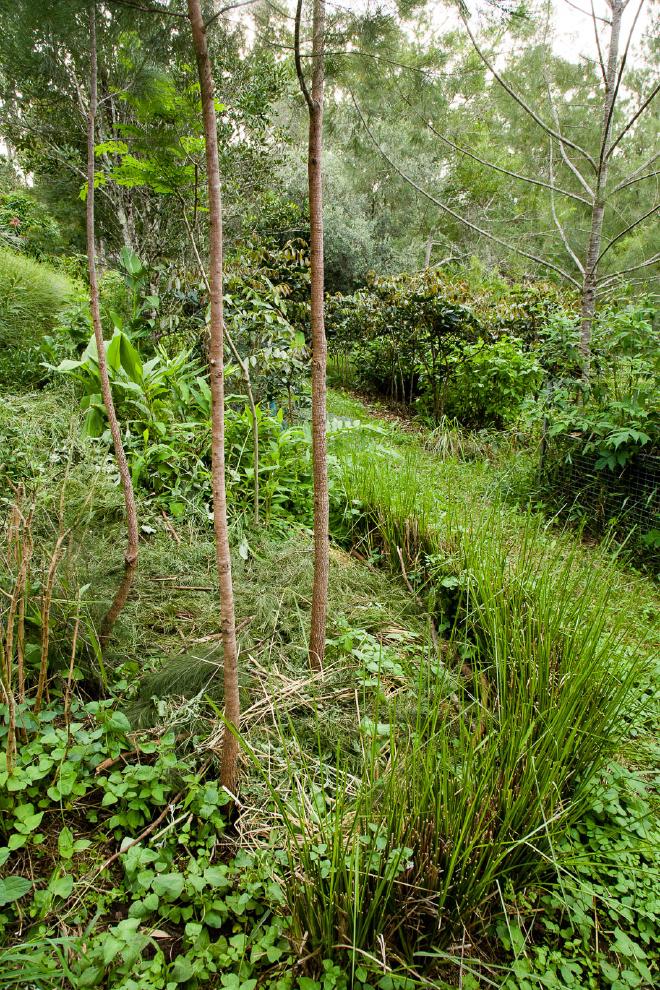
242 363
428 250
229 769
131 554
319 345
590 279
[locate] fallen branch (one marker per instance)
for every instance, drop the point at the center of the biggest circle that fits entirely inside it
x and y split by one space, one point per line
145 832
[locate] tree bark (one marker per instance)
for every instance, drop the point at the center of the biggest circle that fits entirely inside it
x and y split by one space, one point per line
131 553
229 769
590 281
243 365
428 250
319 345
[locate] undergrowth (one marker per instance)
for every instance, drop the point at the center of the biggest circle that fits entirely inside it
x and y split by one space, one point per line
441 808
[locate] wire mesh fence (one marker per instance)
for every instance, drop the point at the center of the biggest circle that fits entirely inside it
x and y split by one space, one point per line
625 501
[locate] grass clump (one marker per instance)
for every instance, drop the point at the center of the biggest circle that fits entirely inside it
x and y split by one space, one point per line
420 844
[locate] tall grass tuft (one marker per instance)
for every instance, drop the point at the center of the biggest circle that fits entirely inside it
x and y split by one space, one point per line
424 844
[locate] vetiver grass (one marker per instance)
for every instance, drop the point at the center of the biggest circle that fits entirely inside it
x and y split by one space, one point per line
421 844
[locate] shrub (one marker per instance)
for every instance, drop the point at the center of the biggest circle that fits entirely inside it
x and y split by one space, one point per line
602 436
448 342
164 405
27 225
31 294
490 381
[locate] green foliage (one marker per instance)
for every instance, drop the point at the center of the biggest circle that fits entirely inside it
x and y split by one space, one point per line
25 224
165 407
31 295
454 344
616 413
602 435
424 842
219 911
489 382
270 345
600 926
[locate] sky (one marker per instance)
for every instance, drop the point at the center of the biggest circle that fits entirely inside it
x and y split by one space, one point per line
572 20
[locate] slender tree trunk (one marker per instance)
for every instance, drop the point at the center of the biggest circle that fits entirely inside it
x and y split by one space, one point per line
590 280
319 345
428 250
319 348
229 770
243 365
131 554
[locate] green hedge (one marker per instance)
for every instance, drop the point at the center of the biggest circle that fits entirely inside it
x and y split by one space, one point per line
31 295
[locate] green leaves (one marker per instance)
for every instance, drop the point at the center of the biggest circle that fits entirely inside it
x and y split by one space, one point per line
110 148
65 843
169 886
13 888
61 886
26 819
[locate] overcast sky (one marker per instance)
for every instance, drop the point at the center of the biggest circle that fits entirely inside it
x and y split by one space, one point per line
572 23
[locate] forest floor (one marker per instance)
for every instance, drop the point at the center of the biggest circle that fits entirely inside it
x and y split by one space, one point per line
204 898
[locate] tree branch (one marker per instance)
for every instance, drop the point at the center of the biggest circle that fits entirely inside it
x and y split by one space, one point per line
576 261
147 9
521 102
583 11
454 214
296 49
225 10
601 60
624 57
635 176
647 102
500 168
627 230
630 182
562 151
630 282
634 268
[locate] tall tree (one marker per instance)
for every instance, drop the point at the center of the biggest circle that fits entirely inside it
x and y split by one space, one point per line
478 144
131 554
594 183
229 769
314 101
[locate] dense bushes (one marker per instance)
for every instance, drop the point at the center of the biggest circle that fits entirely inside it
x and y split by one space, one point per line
601 437
164 404
490 381
26 225
444 343
31 295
